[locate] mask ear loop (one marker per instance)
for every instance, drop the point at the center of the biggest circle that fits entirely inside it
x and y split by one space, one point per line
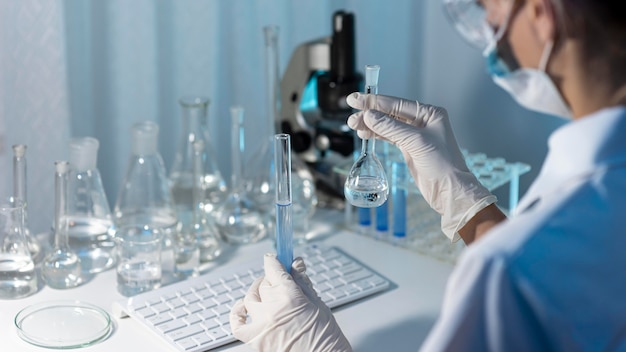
545 56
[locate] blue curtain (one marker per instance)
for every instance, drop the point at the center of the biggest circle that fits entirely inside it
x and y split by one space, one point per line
75 68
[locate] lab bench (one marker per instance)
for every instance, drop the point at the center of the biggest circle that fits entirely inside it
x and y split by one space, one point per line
397 319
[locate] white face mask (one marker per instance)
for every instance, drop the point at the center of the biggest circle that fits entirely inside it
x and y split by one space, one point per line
531 88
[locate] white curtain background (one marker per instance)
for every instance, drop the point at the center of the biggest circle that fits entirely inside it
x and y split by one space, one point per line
71 68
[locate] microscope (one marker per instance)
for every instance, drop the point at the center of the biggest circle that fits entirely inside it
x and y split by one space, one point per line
320 75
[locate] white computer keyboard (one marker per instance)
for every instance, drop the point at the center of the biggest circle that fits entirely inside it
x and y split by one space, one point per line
193 315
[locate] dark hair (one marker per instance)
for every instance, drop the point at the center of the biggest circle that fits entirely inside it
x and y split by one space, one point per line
600 25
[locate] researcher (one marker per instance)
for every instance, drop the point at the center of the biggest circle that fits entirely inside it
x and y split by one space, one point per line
553 276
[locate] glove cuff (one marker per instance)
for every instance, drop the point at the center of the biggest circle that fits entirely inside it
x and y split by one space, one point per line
476 197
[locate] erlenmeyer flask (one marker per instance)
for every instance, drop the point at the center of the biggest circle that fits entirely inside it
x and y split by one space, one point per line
194 122
238 218
17 269
366 185
61 268
90 225
144 197
204 227
19 192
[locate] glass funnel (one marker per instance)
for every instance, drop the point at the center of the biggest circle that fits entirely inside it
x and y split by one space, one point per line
366 185
61 267
239 219
90 224
19 192
194 122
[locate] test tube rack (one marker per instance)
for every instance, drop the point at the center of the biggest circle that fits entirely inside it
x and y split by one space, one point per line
423 229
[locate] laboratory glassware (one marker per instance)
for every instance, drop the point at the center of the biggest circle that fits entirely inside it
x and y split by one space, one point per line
61 267
382 212
144 197
90 224
260 183
195 126
399 192
139 267
204 228
284 225
19 192
238 218
366 185
17 268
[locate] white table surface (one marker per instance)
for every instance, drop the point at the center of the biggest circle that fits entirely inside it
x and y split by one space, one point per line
395 320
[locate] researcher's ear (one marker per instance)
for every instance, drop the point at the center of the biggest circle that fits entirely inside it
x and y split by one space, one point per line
542 15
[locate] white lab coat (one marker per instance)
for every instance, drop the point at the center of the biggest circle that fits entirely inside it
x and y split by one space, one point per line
552 278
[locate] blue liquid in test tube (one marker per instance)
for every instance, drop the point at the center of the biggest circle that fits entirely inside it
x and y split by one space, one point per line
284 225
398 197
382 212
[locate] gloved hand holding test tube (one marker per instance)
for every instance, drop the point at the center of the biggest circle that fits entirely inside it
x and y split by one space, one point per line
284 225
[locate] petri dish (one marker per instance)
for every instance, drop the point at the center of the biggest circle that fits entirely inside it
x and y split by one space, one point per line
63 324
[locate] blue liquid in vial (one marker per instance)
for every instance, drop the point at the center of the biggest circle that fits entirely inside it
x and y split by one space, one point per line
284 235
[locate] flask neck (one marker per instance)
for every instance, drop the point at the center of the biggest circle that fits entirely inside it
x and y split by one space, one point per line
60 208
367 146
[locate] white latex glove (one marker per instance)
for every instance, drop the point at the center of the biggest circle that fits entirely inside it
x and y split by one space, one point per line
424 136
285 313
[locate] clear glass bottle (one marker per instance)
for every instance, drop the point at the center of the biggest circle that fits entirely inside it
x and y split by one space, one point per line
194 122
204 227
90 224
19 192
61 267
239 219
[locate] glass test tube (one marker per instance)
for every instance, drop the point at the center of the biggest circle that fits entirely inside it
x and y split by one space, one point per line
284 225
398 196
382 212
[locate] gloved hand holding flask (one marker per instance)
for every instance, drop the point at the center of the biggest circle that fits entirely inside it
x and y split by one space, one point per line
424 136
282 312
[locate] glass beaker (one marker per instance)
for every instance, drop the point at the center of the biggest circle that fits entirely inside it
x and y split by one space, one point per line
239 219
90 225
61 267
17 269
194 121
204 227
19 192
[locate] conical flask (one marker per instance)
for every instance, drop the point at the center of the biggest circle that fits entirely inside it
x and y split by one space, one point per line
19 192
239 219
17 270
90 224
204 227
194 122
144 197
61 267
